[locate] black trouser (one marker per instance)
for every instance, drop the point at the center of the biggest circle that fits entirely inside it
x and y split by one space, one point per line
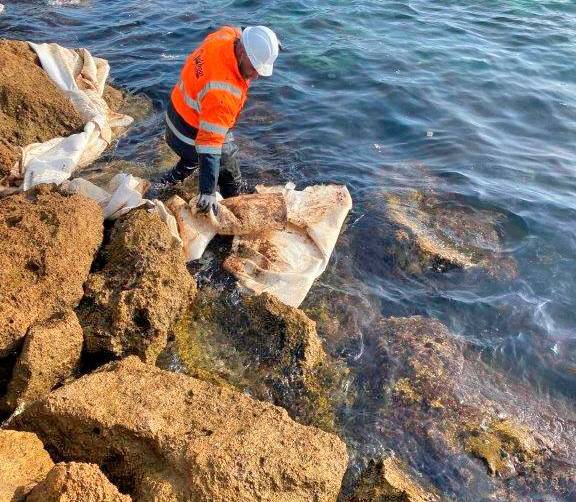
224 168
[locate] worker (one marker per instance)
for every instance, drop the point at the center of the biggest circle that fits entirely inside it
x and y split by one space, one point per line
205 104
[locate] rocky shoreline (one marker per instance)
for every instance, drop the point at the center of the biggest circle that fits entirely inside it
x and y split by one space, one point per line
122 378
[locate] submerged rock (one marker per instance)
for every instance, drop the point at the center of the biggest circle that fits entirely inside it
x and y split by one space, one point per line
451 405
265 347
501 443
164 436
387 480
435 235
47 244
23 463
50 355
75 482
132 303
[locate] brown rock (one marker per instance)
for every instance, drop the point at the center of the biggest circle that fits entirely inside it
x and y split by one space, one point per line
47 243
23 463
387 480
166 436
132 303
32 108
75 482
50 355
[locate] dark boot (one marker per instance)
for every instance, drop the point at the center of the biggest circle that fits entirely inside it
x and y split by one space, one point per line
179 172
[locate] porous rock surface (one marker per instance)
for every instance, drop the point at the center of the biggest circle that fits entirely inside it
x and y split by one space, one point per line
50 355
165 436
47 244
32 108
76 482
132 303
23 463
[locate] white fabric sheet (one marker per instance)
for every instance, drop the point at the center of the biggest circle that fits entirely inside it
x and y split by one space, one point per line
83 78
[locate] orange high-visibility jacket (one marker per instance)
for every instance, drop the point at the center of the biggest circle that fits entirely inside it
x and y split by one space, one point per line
211 91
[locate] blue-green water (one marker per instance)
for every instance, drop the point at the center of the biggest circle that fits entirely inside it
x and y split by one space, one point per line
480 96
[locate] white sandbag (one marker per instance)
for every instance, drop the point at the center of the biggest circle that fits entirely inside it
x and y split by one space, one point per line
290 249
196 230
123 193
242 215
286 263
87 189
83 79
165 215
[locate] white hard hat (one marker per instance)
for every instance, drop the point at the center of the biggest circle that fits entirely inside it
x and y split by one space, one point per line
261 45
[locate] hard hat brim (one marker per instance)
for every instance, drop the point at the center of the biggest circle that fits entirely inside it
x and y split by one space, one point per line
265 70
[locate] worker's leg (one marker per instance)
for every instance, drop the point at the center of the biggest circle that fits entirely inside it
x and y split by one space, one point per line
230 178
182 145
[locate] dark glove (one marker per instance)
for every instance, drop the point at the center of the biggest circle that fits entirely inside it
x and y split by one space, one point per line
207 202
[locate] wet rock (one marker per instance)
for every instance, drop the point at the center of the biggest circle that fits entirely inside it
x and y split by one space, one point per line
50 355
32 108
387 480
160 434
23 463
131 304
452 404
501 443
265 347
74 482
47 244
439 236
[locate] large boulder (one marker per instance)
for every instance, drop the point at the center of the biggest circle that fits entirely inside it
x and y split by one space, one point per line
165 436
75 482
47 244
270 350
23 463
438 235
131 304
50 355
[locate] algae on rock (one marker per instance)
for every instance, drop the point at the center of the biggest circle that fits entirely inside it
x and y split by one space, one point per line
434 235
269 349
387 480
452 404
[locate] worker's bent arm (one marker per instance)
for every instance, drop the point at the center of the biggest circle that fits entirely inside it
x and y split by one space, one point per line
219 109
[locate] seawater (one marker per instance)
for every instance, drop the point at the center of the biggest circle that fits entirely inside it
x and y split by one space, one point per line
473 100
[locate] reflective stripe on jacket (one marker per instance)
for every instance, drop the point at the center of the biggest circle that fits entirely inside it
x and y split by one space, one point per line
211 91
